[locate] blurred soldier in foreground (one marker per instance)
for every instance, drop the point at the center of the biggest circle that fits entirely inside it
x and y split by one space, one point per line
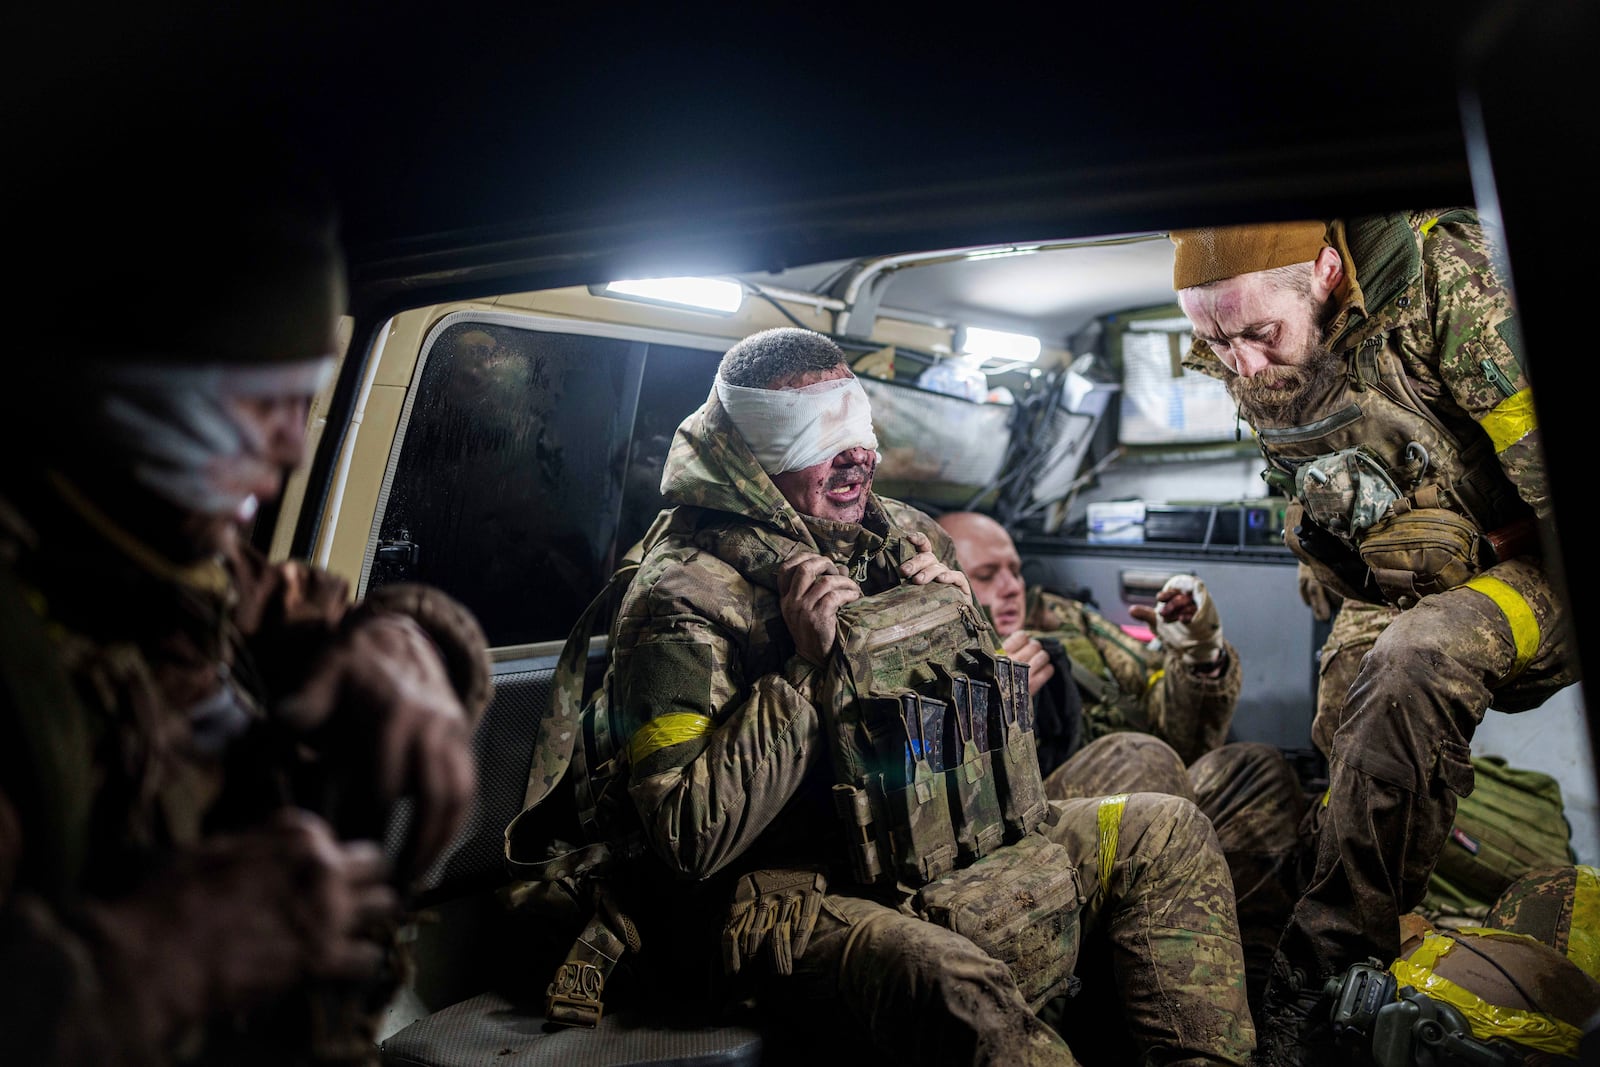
1379 361
199 748
1152 710
798 665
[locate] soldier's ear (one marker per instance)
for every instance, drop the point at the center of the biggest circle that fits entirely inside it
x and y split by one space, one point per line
1327 271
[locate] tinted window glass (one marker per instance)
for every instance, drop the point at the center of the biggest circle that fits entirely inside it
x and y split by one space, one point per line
509 485
676 382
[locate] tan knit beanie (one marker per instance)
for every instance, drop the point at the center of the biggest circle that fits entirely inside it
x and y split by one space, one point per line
1210 255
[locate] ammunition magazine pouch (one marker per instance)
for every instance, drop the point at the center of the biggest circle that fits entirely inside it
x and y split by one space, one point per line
1021 906
930 736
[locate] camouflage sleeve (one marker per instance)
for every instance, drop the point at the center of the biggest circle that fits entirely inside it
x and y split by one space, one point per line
1190 711
714 756
1479 351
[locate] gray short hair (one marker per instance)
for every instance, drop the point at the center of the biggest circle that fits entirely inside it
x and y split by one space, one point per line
764 359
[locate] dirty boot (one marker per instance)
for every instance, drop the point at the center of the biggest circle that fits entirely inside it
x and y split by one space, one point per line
1293 1029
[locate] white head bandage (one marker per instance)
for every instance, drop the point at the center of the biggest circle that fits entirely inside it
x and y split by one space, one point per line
177 428
791 429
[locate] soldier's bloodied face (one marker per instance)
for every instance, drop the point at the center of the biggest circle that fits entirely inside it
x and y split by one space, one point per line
1270 336
836 488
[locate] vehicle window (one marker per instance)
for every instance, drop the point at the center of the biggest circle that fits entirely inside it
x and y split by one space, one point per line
508 487
676 381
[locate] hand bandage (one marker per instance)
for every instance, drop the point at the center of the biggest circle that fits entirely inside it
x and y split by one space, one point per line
792 429
1199 641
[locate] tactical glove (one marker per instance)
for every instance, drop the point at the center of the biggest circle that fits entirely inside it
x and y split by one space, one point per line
776 909
1198 642
453 629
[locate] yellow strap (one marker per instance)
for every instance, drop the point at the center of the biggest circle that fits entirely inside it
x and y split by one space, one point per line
1583 933
1154 678
665 730
1511 420
1524 625
1108 818
1426 226
1326 795
1531 1028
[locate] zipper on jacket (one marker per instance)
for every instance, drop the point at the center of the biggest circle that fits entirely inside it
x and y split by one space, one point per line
1497 377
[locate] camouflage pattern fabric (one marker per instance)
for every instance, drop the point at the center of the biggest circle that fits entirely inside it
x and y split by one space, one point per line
1356 626
1429 335
1400 757
1155 693
729 773
1558 905
1255 804
105 777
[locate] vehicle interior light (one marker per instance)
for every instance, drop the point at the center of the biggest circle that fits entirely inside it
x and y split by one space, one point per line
702 294
1000 345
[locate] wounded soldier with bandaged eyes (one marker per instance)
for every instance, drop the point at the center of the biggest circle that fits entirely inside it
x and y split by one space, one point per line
832 764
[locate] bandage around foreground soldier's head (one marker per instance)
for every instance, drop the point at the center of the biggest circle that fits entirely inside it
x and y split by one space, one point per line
792 429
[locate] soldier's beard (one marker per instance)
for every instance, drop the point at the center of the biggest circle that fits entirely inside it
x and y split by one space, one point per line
1278 395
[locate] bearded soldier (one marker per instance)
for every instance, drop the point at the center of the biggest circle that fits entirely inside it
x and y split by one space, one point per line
1379 361
199 748
780 577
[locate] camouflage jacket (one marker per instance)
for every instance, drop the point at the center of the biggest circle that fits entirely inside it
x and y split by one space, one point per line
1128 685
1435 388
726 759
130 727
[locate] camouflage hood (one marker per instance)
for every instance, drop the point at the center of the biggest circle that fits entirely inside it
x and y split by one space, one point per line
710 466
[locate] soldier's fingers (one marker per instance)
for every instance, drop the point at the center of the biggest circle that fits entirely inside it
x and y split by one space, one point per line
799 570
919 539
805 922
1145 615
782 929
829 588
733 939
760 924
956 578
918 563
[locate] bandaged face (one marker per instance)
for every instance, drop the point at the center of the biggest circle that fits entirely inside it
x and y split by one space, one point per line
813 437
212 440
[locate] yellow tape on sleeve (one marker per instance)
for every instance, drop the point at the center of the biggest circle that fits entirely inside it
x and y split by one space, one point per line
665 730
1510 420
1531 1028
1108 819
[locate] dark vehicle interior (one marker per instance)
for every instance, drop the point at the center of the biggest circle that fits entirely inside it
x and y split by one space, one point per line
484 149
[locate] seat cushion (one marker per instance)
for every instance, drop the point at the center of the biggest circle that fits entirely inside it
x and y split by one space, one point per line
490 1031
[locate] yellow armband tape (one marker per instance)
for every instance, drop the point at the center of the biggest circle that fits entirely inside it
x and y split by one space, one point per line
665 730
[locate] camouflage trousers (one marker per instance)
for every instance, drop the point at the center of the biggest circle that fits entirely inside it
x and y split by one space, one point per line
1254 801
1399 755
1161 910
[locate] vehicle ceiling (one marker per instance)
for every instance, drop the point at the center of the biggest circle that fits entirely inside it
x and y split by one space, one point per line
479 147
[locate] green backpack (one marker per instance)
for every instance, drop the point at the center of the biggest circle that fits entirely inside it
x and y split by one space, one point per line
1513 822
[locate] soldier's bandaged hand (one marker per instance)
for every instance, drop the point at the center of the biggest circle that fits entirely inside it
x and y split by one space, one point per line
773 914
1199 640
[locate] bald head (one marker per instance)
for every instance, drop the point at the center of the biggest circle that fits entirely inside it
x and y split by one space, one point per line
989 558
